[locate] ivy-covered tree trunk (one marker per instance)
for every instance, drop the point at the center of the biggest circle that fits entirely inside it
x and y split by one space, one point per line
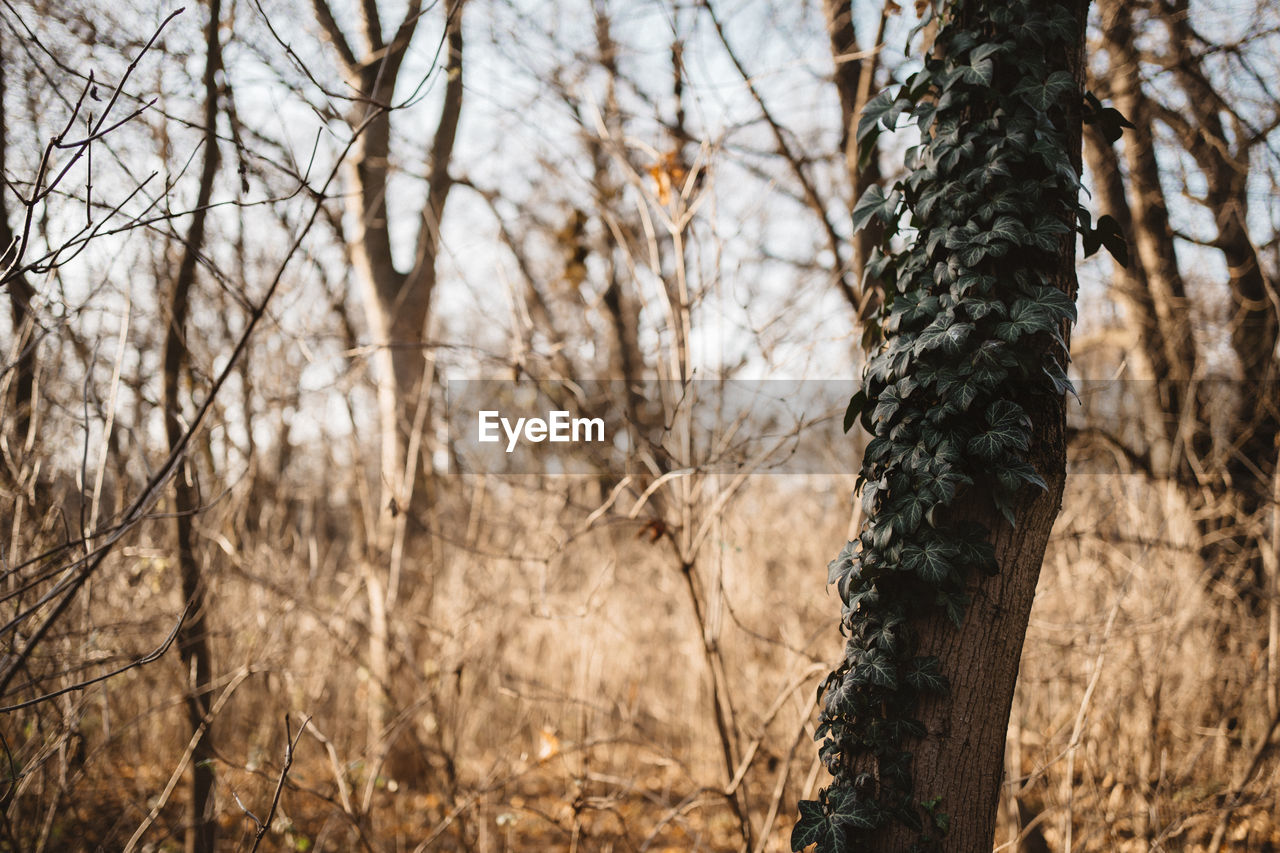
965 400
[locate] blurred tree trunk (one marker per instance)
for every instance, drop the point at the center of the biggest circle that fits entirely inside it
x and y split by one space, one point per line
1223 152
397 304
1153 288
1152 235
20 407
1160 400
855 71
1237 480
193 638
961 759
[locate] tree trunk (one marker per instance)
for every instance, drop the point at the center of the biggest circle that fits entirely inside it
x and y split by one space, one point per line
397 304
961 758
1223 157
193 639
1238 487
1161 400
855 71
20 406
1153 237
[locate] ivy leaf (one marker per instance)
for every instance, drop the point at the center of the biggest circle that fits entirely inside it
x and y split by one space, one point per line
1008 229
926 677
974 551
843 563
830 679
879 669
988 49
945 335
875 109
1011 474
907 512
1107 233
849 812
857 407
874 203
954 603
1056 304
964 390
932 560
1041 96
888 636
840 692
980 73
1109 120
1009 429
887 405
1026 317
1058 377
814 827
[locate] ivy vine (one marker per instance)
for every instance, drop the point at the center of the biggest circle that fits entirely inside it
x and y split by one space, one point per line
971 322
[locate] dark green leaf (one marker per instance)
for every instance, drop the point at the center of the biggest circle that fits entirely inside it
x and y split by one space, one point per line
857 405
843 563
931 560
1110 235
874 203
926 676
814 827
875 109
879 668
954 603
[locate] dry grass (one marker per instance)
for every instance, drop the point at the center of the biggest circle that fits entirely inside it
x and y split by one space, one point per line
554 692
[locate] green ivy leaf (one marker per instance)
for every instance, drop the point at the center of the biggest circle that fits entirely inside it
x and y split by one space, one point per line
1009 429
954 604
932 561
849 812
1043 95
814 827
980 72
1026 317
843 563
875 110
878 668
926 676
1010 230
984 51
1107 233
858 404
874 203
943 335
1056 304
1011 474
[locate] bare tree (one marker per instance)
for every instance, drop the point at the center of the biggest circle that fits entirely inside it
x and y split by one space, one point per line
397 304
193 639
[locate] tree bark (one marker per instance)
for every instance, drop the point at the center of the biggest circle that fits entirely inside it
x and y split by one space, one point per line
193 639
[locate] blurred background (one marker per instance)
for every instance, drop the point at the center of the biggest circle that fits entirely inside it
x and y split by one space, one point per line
249 598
